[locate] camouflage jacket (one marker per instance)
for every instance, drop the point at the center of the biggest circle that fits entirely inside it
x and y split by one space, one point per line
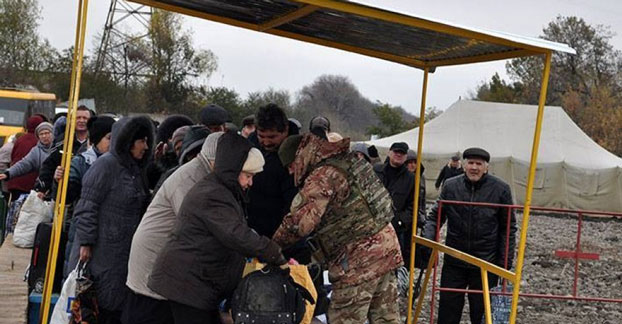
323 188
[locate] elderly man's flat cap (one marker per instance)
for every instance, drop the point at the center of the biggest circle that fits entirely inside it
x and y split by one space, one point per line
477 153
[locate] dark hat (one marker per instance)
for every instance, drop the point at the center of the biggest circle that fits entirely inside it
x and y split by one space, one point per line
213 115
141 133
411 155
98 127
476 152
456 157
320 121
373 151
248 120
399 147
287 150
170 124
193 139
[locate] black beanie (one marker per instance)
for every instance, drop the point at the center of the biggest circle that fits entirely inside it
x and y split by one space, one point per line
98 128
213 115
169 125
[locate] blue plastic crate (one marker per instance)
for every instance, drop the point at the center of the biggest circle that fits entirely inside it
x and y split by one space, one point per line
34 305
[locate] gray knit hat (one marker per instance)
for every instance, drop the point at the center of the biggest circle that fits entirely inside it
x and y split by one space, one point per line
209 146
42 126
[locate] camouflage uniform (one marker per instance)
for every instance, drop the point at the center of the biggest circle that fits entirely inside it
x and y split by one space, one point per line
362 272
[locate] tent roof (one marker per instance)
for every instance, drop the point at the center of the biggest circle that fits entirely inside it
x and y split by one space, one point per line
409 40
506 131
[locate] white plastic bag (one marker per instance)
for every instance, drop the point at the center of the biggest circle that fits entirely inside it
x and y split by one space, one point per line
34 211
62 309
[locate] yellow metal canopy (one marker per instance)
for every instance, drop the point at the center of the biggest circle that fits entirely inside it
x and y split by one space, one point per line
353 27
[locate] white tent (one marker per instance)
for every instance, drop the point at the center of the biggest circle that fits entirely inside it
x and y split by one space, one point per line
573 171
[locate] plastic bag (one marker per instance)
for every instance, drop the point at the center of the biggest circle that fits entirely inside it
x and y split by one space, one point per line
500 305
62 309
34 211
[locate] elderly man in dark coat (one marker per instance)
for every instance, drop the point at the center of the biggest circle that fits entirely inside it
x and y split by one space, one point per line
113 199
202 262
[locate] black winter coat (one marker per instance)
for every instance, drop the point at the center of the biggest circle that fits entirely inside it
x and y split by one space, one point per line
478 231
202 262
272 192
113 199
401 186
446 173
45 181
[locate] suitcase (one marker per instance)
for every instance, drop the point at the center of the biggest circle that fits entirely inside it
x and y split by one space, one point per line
39 259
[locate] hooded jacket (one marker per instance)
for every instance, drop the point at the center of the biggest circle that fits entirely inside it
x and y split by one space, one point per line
478 231
202 262
113 199
323 189
159 221
32 162
22 147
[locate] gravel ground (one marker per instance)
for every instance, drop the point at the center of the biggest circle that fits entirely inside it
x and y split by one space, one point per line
544 273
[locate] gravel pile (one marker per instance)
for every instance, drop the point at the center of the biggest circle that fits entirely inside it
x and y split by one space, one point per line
544 273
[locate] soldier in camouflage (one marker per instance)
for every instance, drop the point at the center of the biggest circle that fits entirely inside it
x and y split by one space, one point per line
349 210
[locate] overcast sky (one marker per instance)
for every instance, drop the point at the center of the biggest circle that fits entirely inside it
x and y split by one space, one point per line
251 61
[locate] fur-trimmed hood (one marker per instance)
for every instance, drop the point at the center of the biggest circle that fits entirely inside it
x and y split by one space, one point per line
123 132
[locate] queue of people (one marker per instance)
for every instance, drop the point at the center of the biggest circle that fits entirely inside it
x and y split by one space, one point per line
166 217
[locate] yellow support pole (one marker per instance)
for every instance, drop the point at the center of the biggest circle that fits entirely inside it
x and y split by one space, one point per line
426 281
532 173
59 207
486 296
411 268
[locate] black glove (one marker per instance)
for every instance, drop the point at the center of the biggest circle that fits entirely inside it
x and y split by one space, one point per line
422 256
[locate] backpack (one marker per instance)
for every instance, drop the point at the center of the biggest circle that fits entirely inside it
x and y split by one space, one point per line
269 295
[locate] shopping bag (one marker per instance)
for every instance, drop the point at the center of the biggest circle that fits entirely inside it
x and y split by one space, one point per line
34 211
62 309
500 305
84 309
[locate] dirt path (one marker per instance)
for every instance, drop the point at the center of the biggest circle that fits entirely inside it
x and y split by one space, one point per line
13 289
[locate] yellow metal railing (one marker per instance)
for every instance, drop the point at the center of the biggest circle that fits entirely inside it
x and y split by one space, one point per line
59 206
484 266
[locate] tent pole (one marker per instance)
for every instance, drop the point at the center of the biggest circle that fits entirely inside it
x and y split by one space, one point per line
532 174
411 268
59 207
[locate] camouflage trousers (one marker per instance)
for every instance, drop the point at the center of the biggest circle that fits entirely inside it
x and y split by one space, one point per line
375 300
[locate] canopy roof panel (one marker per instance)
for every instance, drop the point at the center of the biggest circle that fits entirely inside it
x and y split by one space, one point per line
413 41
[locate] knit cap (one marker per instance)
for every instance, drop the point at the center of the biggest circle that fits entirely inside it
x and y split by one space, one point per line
179 134
209 146
98 127
254 162
43 126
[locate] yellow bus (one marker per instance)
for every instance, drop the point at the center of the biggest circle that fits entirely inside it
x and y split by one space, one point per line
17 105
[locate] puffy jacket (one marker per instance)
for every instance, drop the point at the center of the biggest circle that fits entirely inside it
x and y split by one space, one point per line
202 262
113 199
478 231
